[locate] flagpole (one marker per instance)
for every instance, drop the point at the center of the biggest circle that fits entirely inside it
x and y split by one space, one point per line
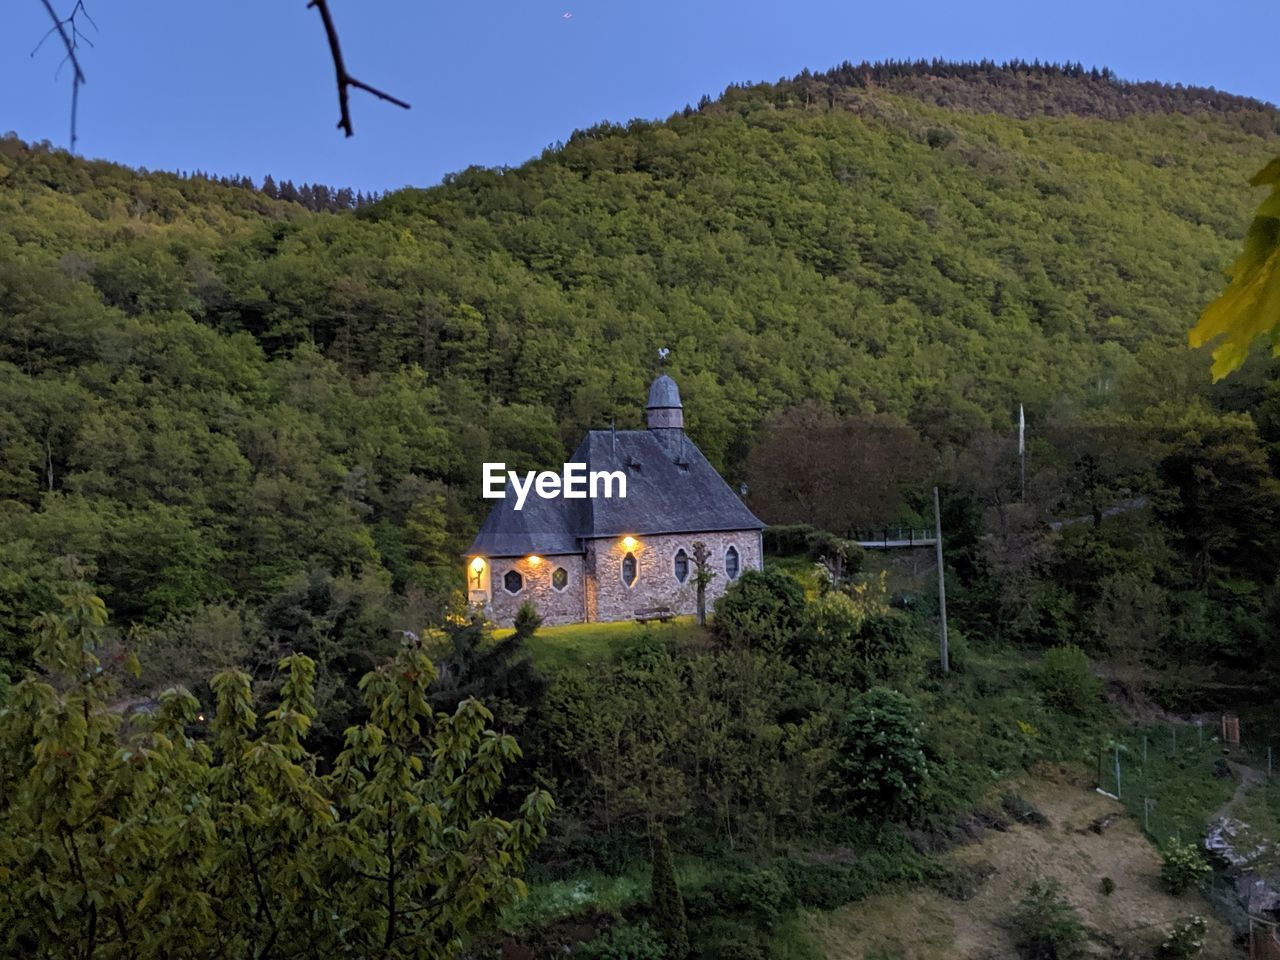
1022 454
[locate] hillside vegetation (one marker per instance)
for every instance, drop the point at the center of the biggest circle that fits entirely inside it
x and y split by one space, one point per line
207 391
252 425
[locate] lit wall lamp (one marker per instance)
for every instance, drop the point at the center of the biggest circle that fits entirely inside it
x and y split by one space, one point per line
629 543
534 560
477 569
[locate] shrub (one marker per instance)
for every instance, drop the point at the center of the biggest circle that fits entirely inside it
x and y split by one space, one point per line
1185 941
664 899
1066 682
880 764
1022 810
892 863
764 894
637 942
847 644
760 611
1183 867
527 620
962 881
825 546
789 540
730 940
939 137
1107 886
1046 926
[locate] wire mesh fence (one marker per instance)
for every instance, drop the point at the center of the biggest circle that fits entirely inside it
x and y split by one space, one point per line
1174 778
1186 782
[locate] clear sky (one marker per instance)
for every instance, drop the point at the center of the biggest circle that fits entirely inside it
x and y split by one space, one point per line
234 86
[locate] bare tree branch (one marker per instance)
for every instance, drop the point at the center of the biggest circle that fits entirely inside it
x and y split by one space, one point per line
345 80
69 31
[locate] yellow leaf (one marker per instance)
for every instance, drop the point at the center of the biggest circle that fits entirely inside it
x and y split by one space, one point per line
1250 305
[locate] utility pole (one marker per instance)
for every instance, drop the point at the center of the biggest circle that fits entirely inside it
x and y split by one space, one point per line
942 582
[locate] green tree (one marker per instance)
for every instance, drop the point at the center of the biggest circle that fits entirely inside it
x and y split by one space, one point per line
761 610
665 902
1067 683
880 767
143 838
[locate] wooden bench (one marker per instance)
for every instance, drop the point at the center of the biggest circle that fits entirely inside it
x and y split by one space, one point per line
661 614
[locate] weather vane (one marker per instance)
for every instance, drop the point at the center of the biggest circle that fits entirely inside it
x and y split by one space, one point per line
662 355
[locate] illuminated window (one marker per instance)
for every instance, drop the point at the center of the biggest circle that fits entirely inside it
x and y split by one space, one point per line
629 569
513 581
731 563
560 579
682 565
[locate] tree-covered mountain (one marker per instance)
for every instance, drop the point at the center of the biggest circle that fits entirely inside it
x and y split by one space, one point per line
205 391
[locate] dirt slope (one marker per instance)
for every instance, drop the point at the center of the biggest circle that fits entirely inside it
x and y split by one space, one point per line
924 925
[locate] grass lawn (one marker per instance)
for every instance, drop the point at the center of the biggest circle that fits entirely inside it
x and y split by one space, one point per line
576 647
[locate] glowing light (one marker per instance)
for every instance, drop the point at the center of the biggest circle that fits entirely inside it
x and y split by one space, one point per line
477 565
534 560
629 542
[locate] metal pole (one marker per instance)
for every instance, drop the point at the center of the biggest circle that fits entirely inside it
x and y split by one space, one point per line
942 583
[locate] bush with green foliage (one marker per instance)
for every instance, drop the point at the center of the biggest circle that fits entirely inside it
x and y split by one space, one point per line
160 836
762 611
637 941
845 644
1067 683
1185 941
1045 925
880 768
1183 867
725 938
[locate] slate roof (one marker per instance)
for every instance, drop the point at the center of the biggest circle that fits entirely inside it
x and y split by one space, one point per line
663 392
671 488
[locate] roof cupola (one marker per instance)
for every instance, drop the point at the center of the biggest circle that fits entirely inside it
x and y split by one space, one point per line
664 409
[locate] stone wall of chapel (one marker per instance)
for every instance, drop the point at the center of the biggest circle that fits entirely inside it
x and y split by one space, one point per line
656 584
555 606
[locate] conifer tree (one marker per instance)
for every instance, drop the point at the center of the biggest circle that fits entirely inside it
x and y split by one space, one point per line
665 902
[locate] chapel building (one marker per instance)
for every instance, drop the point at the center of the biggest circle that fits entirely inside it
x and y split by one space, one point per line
602 559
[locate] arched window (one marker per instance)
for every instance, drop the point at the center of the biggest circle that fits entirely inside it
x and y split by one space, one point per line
682 565
513 581
629 570
731 563
560 579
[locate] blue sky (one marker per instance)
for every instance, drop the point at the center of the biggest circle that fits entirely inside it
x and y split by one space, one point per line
240 87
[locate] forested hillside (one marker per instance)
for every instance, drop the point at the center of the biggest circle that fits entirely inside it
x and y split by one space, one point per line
241 430
206 392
